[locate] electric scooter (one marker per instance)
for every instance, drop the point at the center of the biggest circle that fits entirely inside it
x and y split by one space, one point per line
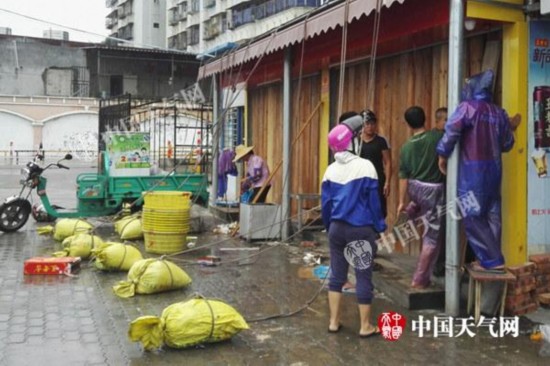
15 210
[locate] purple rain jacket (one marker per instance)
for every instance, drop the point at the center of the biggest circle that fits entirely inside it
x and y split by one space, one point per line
484 132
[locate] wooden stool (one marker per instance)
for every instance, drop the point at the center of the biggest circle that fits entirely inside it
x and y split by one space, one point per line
476 278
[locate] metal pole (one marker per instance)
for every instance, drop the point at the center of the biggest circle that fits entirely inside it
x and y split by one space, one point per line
215 139
452 265
287 81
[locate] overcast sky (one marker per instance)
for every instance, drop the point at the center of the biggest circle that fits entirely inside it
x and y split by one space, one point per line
86 15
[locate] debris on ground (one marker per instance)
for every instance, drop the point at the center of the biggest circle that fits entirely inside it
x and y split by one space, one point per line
309 244
226 229
311 259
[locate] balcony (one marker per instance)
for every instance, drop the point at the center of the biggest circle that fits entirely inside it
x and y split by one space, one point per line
233 3
110 3
209 3
110 22
174 18
121 13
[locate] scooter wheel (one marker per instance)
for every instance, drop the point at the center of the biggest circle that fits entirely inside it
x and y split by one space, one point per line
14 214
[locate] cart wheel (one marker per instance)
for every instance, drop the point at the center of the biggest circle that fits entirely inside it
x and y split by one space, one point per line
14 214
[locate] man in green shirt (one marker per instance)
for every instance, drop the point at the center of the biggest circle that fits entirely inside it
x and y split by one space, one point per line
421 179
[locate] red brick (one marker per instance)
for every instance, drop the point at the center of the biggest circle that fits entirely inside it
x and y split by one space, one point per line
544 298
543 289
543 280
522 285
521 300
526 268
523 310
540 258
543 268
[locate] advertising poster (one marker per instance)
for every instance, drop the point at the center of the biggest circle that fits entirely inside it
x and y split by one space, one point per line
538 185
129 153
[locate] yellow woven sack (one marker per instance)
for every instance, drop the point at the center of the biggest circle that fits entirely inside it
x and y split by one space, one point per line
188 323
65 228
79 245
129 227
116 256
150 276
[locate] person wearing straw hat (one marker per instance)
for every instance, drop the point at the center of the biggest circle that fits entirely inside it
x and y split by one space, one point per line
257 172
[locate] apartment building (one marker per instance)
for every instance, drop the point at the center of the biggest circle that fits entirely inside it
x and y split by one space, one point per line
199 26
141 22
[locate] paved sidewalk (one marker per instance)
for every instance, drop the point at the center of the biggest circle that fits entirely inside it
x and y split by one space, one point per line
79 321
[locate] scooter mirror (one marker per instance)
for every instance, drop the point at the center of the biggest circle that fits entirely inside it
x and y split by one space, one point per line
68 157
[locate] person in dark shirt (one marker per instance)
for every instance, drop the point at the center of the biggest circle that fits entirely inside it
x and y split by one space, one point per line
421 179
377 149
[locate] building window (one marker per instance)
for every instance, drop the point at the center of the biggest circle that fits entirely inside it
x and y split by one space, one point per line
193 35
155 25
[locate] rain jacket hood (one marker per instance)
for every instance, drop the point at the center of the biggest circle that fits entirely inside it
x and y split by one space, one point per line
479 86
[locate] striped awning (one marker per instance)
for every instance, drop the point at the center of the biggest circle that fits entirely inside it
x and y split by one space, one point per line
320 22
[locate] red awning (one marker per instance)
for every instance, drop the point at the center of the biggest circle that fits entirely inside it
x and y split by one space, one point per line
311 26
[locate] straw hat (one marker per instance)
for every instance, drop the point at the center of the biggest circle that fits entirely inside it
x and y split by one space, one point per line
241 151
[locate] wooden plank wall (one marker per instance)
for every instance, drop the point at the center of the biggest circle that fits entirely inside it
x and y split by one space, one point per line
414 78
265 132
265 125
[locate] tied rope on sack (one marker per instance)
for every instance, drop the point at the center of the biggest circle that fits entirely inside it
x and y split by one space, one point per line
185 324
116 256
79 245
149 276
129 227
65 228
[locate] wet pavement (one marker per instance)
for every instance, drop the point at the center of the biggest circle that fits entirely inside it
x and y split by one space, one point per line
79 321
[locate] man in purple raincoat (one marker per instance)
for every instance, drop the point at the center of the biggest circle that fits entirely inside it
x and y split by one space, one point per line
484 132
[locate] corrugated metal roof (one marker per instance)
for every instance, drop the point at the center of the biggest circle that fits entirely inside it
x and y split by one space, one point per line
142 50
314 24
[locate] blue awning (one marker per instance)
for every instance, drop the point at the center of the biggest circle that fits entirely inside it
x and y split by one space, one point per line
215 51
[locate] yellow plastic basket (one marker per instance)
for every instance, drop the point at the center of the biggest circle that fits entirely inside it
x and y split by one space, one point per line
164 243
166 228
167 200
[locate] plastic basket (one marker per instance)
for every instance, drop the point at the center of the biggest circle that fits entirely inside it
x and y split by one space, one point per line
167 199
159 228
164 243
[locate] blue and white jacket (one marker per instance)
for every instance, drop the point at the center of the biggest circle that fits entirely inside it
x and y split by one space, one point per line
350 193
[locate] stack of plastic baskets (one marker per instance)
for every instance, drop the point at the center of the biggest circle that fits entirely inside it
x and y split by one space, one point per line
166 221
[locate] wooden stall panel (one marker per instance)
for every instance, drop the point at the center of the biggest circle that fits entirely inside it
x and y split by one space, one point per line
265 130
304 158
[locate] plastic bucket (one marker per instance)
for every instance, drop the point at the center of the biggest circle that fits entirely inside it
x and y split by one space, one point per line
164 243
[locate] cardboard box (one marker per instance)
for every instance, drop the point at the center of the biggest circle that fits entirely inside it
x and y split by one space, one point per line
51 266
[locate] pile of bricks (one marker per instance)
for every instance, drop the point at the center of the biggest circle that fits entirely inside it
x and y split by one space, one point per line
542 276
521 296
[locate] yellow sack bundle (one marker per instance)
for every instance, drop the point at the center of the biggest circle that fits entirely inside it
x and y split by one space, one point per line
65 228
129 227
188 323
116 256
79 245
149 276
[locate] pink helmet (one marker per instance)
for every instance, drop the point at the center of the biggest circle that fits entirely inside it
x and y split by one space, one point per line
339 138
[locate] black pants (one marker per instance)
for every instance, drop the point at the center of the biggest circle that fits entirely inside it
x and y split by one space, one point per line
262 197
